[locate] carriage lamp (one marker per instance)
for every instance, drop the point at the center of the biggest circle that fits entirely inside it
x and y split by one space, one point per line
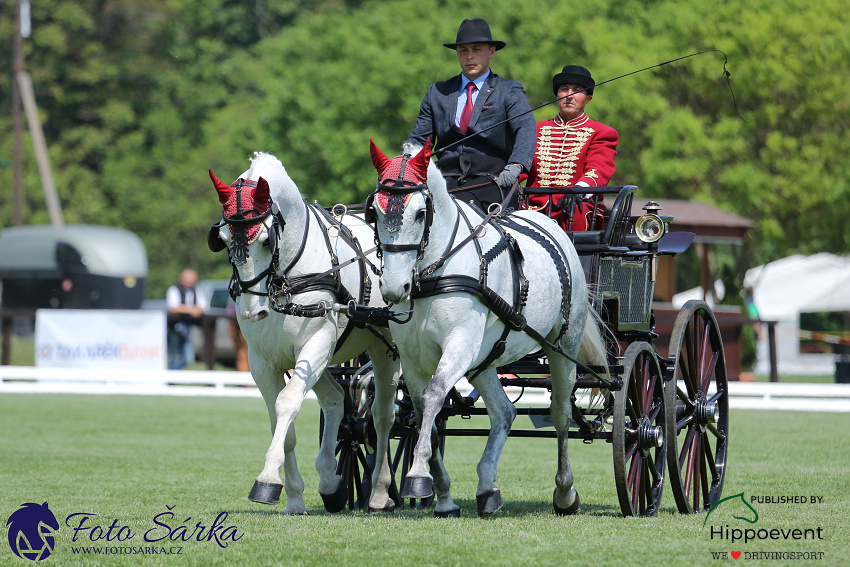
650 227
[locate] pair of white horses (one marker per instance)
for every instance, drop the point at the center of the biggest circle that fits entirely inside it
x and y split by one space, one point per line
447 334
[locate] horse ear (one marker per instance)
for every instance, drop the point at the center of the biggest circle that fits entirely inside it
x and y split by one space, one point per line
261 193
420 161
224 190
379 160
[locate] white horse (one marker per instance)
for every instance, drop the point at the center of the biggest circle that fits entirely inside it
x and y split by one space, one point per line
274 238
453 276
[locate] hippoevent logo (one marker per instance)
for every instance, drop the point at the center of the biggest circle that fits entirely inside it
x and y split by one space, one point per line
31 530
745 531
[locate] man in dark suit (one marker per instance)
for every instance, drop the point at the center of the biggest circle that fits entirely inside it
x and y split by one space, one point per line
457 113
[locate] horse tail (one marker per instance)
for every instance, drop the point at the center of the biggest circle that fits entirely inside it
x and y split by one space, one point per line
592 350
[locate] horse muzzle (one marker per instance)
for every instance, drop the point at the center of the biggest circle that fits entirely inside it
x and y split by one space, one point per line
398 293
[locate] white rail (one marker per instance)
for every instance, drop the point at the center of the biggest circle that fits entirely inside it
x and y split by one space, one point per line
32 379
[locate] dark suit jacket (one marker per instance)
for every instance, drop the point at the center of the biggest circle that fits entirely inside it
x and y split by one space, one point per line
499 99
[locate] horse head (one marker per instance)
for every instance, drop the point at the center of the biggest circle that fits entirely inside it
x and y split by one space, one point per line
245 230
403 211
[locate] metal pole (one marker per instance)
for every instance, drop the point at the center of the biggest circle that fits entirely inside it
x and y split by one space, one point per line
24 83
17 115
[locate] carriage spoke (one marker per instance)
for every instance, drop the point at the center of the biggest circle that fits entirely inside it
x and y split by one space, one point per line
704 350
635 399
690 453
696 457
653 412
720 437
684 422
706 379
709 457
686 445
631 451
717 395
648 393
653 471
635 479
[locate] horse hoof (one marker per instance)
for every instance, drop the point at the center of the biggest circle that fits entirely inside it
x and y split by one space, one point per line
489 503
336 501
417 487
265 492
453 513
569 510
389 507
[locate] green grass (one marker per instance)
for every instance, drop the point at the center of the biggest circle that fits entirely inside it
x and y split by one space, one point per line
126 458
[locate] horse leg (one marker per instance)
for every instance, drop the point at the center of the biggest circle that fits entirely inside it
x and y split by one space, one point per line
283 408
444 506
332 488
565 499
455 360
387 375
268 485
502 413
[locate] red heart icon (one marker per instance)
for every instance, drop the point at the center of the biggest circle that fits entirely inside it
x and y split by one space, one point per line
736 554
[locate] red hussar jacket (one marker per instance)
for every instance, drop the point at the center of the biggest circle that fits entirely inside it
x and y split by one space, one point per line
581 150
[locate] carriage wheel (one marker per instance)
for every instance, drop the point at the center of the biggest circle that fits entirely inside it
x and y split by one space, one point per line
697 429
356 436
638 435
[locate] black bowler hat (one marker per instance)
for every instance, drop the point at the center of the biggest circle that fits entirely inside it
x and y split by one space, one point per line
574 75
475 31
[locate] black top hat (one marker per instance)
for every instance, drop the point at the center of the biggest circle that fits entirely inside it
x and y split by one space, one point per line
574 75
475 31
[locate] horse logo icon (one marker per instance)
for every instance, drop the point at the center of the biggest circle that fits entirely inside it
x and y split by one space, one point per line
31 530
755 515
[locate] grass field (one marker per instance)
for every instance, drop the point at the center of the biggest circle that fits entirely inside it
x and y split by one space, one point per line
127 458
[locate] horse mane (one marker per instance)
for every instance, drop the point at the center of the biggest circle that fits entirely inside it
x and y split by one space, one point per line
270 168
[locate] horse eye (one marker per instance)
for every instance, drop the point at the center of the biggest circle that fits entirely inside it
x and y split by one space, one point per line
420 214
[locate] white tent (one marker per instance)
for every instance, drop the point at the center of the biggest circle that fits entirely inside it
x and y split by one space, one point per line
800 284
781 291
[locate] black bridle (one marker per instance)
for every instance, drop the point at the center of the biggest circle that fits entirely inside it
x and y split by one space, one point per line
239 223
398 191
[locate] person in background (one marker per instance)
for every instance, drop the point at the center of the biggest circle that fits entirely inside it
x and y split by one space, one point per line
572 150
182 301
240 345
459 111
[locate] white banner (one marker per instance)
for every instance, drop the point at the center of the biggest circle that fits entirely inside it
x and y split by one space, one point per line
106 338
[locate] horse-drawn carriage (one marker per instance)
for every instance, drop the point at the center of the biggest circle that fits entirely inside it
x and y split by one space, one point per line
665 414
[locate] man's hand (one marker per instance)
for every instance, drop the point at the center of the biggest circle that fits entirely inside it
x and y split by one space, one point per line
509 175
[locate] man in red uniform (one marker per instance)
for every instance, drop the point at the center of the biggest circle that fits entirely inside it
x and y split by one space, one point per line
572 149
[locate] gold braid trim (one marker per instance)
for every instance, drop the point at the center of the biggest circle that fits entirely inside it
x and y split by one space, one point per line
558 151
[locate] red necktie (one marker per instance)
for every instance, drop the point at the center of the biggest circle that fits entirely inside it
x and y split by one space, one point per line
467 109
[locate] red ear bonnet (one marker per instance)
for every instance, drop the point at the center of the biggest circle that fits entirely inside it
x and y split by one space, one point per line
261 195
379 160
420 161
415 170
224 190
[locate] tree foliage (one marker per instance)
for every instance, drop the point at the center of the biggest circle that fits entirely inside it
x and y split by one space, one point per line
138 99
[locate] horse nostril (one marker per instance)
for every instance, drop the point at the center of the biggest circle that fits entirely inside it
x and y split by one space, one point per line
406 288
